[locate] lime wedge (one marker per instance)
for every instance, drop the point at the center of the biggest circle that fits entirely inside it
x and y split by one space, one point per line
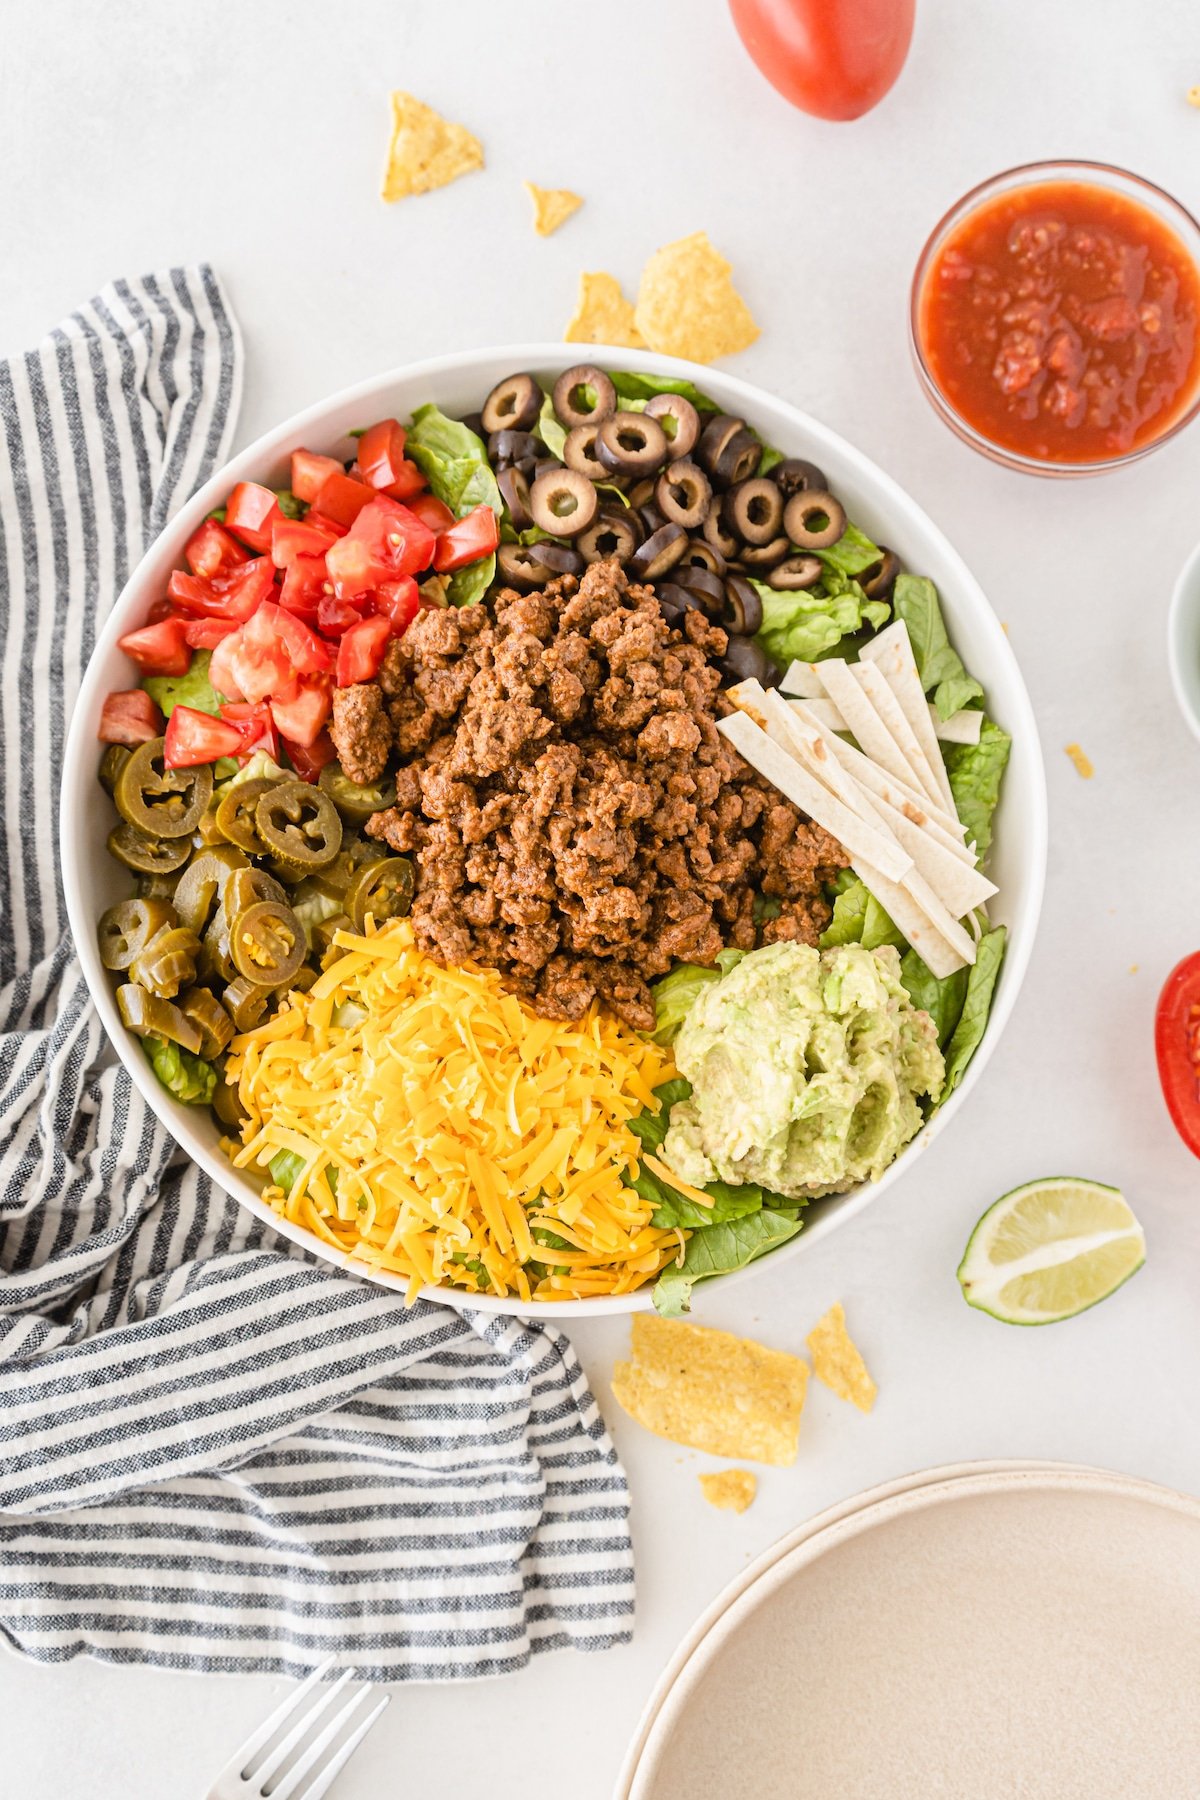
1050 1250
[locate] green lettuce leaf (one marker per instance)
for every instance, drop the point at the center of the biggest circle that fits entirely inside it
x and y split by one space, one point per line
188 1077
674 993
469 585
645 387
808 625
852 553
878 928
289 506
977 1004
941 999
550 429
719 1249
975 772
945 680
849 916
456 464
192 689
729 1200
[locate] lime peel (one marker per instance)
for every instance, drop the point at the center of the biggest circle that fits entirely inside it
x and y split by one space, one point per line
1077 1241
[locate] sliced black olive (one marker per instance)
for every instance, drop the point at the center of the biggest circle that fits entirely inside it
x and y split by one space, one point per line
584 395
631 444
520 567
878 581
613 533
753 510
563 502
743 613
700 555
737 461
679 419
660 552
579 453
506 446
557 559
713 439
813 519
716 536
684 493
703 585
514 491
761 557
541 464
674 601
642 491
744 660
797 572
793 475
513 403
652 519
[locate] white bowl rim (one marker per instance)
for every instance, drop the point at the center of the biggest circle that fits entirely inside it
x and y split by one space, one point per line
733 393
1185 603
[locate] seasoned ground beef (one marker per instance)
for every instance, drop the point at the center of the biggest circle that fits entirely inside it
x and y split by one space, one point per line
577 820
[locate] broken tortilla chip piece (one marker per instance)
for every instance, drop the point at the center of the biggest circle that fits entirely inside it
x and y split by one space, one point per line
688 306
602 314
1083 762
732 1490
552 207
426 150
838 1362
712 1391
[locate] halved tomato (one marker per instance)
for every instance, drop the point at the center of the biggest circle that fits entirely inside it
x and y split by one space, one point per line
467 540
196 737
250 512
360 652
160 649
291 538
386 540
1177 1046
303 717
129 717
398 602
342 498
431 511
234 595
309 470
309 759
211 549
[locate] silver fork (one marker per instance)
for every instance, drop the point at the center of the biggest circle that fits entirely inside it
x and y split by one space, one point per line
234 1783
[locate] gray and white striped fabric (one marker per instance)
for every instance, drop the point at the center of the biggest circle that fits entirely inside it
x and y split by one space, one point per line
216 1453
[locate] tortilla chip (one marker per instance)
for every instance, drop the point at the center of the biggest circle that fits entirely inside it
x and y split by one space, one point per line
837 1360
688 306
602 314
731 1490
426 150
1083 763
712 1391
552 207
1193 96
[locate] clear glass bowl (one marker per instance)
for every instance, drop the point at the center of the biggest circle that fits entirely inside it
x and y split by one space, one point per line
1113 180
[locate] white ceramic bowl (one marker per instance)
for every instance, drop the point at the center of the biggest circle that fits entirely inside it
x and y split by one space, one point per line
1183 640
92 880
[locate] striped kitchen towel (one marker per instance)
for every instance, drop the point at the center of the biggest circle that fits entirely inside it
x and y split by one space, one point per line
215 1452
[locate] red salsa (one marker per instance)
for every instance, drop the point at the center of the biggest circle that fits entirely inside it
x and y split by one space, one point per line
1059 321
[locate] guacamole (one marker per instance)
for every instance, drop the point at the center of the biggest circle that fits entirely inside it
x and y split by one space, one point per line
806 1066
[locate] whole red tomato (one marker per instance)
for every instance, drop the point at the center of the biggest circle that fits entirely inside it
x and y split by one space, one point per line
834 58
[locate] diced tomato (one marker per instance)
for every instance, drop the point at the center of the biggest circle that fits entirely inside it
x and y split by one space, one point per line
335 616
211 549
256 726
196 737
220 666
308 472
398 602
306 652
305 585
250 512
334 527
159 609
291 538
385 540
467 540
342 498
160 649
431 511
234 595
360 652
206 634
129 717
409 482
381 452
303 718
309 759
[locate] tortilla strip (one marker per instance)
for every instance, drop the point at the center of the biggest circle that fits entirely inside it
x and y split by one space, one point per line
923 774
941 955
892 654
870 732
963 727
803 680
947 832
960 728
958 884
822 709
787 774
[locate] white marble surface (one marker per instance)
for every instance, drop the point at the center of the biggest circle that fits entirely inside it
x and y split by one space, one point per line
252 135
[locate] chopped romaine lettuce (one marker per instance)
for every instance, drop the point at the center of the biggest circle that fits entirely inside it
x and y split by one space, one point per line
718 1250
289 506
550 429
945 680
977 1004
975 772
454 460
852 553
941 998
808 625
188 1077
193 689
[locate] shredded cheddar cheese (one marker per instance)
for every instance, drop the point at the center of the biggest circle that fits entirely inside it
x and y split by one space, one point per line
445 1130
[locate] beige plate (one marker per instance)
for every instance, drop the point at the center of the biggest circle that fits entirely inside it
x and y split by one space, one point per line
1009 1631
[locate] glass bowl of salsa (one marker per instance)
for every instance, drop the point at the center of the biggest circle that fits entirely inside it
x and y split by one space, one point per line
1055 318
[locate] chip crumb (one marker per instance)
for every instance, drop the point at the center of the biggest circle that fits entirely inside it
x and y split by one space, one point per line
602 314
1083 764
1004 626
1193 96
1133 968
552 207
426 150
712 1391
687 304
837 1360
731 1490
